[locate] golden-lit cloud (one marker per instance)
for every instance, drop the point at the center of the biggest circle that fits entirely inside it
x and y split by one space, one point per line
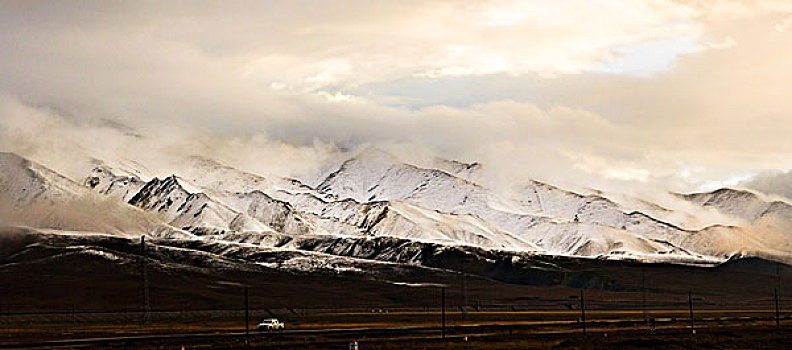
675 94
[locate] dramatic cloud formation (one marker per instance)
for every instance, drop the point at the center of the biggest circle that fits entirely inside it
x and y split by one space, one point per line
774 183
627 94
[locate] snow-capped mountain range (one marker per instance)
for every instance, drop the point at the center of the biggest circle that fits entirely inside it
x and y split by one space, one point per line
375 197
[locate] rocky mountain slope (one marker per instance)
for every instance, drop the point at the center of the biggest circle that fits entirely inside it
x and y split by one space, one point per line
376 207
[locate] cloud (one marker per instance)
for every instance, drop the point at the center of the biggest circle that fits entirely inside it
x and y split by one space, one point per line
84 213
784 26
344 43
72 146
778 183
642 93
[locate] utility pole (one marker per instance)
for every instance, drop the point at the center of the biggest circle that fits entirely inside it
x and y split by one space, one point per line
583 311
690 308
144 282
777 313
464 282
442 312
247 318
643 294
778 282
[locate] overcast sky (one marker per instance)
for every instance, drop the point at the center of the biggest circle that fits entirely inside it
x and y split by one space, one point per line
680 95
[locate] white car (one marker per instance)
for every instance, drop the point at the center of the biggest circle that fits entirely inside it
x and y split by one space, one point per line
270 324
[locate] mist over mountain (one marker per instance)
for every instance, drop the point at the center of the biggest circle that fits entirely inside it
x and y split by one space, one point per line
111 179
374 195
777 183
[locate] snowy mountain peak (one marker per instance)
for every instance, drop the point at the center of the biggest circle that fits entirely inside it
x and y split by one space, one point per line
467 171
373 194
103 180
23 181
739 203
375 175
721 195
745 205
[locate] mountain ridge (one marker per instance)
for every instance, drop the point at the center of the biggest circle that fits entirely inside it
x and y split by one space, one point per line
373 195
